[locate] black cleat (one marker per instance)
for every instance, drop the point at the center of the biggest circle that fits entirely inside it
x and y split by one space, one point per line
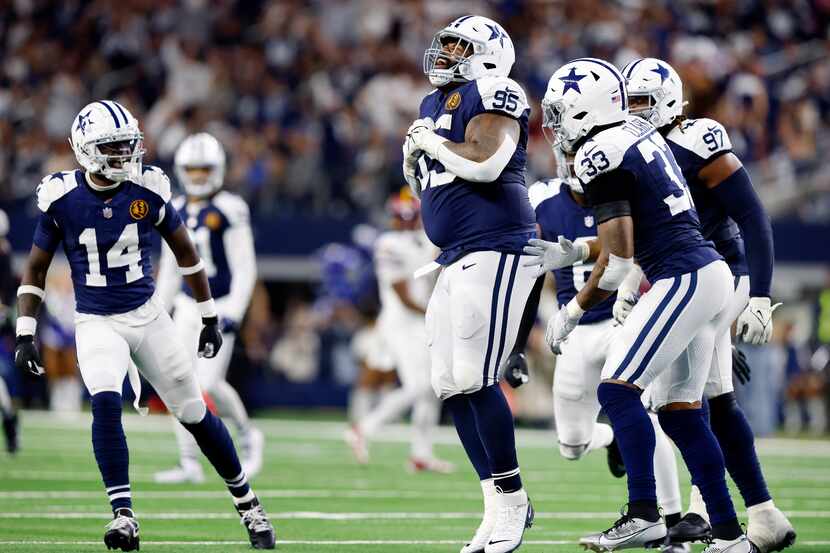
615 461
692 527
122 532
255 520
10 426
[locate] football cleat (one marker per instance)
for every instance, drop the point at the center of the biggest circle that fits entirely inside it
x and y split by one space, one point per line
430 464
190 471
515 515
627 533
615 461
676 548
488 521
122 531
692 527
260 531
740 545
10 425
769 529
355 440
253 444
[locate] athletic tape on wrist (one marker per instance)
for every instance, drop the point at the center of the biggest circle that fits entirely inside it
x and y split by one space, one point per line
207 308
184 271
26 326
30 289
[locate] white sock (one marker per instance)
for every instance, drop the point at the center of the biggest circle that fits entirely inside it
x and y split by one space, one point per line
696 503
665 471
766 505
229 405
601 437
425 414
391 407
188 448
488 489
360 403
5 399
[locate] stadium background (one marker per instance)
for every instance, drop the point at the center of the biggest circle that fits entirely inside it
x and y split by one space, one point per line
311 100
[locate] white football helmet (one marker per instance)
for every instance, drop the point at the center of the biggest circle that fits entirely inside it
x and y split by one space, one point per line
565 169
657 81
107 141
482 47
200 150
582 94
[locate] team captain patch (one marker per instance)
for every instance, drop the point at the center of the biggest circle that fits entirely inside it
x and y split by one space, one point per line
453 101
139 209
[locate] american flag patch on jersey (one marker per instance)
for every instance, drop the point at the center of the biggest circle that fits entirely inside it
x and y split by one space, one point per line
615 98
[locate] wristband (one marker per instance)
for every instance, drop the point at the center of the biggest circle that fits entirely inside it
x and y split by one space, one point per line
185 271
29 289
26 326
584 251
574 310
207 308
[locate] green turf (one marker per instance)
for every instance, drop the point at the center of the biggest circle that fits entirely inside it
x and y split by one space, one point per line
310 480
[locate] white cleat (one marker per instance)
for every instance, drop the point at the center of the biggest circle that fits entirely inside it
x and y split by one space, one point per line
355 440
515 514
429 464
188 472
627 533
488 521
769 529
740 545
253 444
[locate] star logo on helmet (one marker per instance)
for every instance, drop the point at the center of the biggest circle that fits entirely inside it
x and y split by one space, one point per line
496 33
662 71
571 81
84 121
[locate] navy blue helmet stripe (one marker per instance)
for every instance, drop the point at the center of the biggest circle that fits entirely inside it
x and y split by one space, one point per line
122 112
461 20
114 117
631 67
615 72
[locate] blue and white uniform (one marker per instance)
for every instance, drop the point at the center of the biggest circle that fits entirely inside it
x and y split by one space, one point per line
691 284
475 309
695 143
108 245
221 231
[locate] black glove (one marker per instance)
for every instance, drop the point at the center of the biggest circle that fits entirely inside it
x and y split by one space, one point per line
515 370
210 340
739 366
26 356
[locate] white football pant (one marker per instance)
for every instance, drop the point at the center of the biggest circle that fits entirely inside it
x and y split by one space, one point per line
720 375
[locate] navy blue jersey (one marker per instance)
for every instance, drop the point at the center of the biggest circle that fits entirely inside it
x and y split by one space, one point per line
667 234
107 243
558 214
461 216
209 222
695 143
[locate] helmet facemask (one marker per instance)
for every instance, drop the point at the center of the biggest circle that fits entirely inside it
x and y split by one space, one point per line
116 157
457 59
645 105
200 181
553 128
565 169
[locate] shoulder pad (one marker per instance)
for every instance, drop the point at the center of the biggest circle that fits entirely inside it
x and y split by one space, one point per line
703 137
542 190
179 202
154 179
233 207
601 154
53 187
503 95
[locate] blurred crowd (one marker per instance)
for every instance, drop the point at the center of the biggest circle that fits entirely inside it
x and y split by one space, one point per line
312 98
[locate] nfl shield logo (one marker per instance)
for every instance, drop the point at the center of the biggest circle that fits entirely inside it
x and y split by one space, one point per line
589 220
107 213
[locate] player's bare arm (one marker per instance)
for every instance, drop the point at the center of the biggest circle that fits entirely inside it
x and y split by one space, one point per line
616 238
719 170
401 288
34 275
485 134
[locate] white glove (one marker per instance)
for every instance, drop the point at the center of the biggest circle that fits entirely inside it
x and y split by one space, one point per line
422 135
755 323
548 256
410 163
562 324
623 306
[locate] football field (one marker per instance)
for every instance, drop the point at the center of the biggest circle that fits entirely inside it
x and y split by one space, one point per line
51 497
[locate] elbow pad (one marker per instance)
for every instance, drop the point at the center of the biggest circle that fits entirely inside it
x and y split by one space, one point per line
475 171
615 272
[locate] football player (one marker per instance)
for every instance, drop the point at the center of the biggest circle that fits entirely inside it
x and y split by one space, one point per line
733 218
564 216
465 157
7 284
104 217
399 252
643 208
219 226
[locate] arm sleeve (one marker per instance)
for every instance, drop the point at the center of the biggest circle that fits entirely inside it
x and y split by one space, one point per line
169 280
610 194
169 219
741 203
47 233
239 247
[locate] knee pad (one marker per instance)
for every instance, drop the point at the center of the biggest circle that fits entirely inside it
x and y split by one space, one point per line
467 379
191 411
572 452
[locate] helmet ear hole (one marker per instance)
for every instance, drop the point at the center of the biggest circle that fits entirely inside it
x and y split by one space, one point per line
489 65
670 104
581 115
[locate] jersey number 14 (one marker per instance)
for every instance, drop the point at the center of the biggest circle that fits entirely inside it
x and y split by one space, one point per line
124 253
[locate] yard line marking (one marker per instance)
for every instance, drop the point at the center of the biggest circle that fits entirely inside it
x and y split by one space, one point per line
319 515
320 542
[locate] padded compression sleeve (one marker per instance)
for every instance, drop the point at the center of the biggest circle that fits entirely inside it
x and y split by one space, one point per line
609 194
738 198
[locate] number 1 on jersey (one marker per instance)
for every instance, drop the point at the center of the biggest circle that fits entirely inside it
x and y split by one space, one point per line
124 253
650 150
